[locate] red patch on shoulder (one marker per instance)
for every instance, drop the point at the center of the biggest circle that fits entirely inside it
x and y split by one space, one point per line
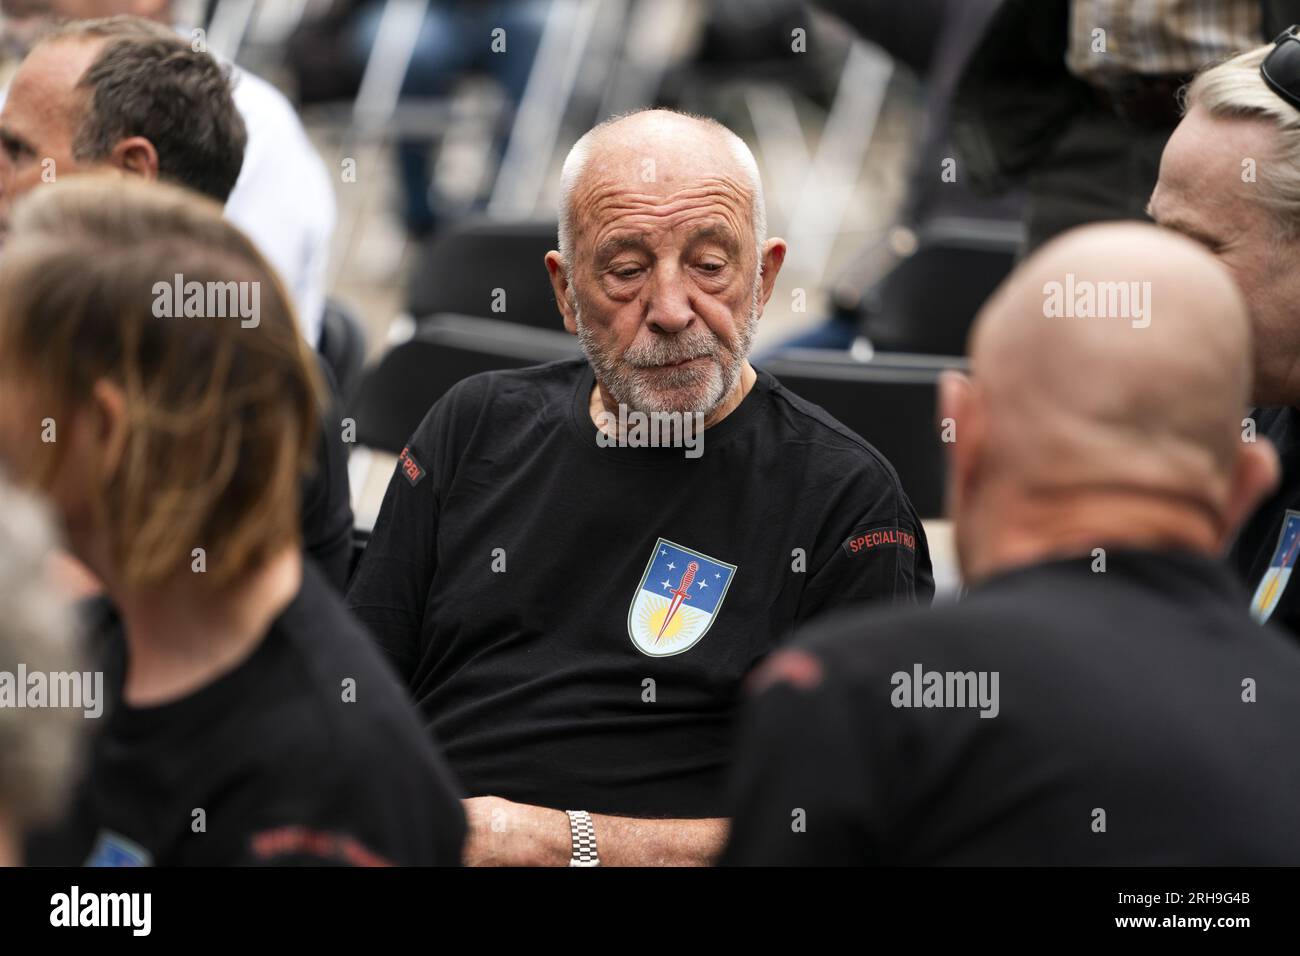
878 538
410 467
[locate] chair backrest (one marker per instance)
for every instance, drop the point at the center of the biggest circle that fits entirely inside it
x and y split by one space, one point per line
928 302
399 390
489 269
891 404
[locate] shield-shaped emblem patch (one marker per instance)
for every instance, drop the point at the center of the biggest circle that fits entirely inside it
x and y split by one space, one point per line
678 599
1278 573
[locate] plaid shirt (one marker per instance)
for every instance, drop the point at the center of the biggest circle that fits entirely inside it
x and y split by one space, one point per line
1154 37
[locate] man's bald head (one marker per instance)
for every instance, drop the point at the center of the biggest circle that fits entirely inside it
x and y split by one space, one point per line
656 147
664 266
1113 363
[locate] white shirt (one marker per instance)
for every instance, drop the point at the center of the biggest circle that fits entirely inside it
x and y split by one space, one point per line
284 198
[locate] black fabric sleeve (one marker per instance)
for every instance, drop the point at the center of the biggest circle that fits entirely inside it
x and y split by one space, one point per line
878 552
798 789
390 588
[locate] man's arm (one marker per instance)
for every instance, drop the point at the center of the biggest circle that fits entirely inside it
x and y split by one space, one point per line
878 554
502 833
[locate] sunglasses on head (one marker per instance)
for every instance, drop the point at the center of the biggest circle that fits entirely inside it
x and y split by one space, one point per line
1281 68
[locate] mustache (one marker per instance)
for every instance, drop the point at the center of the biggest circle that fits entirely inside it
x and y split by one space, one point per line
669 350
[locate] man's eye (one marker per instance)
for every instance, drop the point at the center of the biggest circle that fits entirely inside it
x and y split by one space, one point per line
627 272
711 267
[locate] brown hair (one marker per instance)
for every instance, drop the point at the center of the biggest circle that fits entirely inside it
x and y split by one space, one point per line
221 419
149 82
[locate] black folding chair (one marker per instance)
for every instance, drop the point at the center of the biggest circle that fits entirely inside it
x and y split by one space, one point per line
489 269
396 393
889 401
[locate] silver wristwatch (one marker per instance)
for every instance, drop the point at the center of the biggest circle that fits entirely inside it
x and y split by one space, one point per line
583 833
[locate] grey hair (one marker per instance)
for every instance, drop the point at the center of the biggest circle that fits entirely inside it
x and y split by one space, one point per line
576 163
38 746
1235 89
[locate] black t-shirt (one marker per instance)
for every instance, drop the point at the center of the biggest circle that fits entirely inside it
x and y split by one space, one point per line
525 582
1265 552
326 499
1120 692
283 769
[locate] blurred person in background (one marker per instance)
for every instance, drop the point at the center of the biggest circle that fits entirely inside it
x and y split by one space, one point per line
1100 696
457 39
284 197
37 744
236 681
1076 98
933 39
126 94
1230 179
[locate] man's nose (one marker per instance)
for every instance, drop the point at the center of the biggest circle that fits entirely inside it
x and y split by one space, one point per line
670 308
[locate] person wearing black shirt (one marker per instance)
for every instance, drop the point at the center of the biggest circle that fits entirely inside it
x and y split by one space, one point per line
240 748
574 607
248 720
1101 695
1215 187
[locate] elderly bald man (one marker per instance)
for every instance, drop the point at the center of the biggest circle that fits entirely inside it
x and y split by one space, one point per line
575 565
1093 699
1230 179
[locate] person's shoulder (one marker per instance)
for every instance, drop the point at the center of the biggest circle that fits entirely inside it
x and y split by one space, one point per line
341 696
833 445
533 390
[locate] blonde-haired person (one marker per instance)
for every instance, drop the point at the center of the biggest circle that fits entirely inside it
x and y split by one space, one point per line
250 720
38 745
1230 179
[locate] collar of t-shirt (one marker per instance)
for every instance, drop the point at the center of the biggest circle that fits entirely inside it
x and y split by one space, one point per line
1166 570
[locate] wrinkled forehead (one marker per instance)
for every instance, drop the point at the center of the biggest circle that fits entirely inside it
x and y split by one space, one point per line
661 191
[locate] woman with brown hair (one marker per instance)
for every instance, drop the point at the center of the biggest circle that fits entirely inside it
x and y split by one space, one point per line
154 385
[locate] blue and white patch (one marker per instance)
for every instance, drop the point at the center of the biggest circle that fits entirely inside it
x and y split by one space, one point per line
1274 581
678 599
112 849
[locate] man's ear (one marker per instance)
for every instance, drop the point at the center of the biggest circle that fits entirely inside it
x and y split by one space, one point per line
107 427
772 259
961 429
1255 474
135 155
560 285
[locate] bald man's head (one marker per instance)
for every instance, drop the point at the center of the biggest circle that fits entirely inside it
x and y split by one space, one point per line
657 146
1113 365
664 267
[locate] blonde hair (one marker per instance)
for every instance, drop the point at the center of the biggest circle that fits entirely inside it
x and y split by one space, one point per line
221 419
1234 89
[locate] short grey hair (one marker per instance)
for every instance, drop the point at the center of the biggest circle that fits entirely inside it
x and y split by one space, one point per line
1235 89
38 746
576 163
